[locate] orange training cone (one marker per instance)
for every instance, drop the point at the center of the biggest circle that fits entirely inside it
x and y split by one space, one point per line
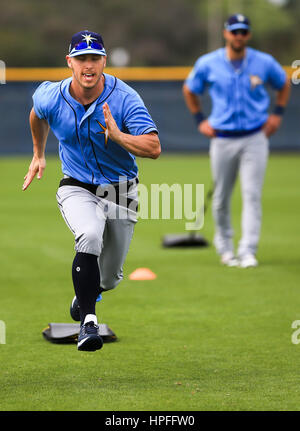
142 274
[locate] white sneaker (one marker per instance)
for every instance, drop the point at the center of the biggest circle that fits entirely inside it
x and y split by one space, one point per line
248 261
229 259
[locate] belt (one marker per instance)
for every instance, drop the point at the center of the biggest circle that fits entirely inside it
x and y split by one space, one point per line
236 133
114 192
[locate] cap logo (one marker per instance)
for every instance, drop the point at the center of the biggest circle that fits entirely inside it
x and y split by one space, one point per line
88 38
240 18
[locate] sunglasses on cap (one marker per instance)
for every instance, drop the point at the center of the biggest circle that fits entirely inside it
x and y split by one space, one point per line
84 45
241 31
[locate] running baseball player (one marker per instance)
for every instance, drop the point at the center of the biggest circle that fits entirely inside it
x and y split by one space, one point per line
239 126
101 124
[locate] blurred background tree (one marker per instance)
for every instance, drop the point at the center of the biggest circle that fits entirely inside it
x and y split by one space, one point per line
35 33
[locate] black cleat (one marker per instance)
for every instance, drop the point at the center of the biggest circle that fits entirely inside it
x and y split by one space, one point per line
74 310
89 339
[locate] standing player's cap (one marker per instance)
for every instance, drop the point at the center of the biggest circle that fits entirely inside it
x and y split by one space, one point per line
237 22
86 42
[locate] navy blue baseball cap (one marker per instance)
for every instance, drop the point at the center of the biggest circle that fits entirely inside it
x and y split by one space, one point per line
237 22
86 42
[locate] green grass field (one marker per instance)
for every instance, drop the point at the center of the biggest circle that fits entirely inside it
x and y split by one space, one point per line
199 337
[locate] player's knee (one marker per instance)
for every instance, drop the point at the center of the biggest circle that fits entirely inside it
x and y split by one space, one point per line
89 241
109 283
252 197
220 204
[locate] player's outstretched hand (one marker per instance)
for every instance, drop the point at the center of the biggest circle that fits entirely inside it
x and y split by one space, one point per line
206 129
37 167
113 130
272 124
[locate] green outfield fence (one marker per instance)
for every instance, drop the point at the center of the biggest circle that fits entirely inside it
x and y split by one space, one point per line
160 88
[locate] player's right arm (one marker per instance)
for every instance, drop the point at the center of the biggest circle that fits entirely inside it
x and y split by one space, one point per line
194 106
193 86
39 131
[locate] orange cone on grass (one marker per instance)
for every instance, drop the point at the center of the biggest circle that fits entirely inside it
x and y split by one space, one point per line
142 274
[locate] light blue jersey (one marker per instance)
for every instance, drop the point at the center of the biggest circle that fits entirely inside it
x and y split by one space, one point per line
240 100
84 148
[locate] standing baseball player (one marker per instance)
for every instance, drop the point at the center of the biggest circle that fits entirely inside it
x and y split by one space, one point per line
239 126
101 124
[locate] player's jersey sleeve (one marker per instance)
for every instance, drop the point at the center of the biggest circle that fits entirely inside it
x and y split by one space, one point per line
136 118
40 100
197 78
276 75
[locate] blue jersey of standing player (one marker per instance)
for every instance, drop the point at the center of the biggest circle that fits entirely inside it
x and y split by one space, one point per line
240 100
86 152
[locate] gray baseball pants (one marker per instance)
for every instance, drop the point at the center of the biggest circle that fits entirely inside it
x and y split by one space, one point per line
100 227
246 156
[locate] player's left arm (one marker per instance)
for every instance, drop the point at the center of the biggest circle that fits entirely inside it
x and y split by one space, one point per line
147 145
275 119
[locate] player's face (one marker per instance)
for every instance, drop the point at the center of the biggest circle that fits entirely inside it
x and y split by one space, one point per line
87 69
237 40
